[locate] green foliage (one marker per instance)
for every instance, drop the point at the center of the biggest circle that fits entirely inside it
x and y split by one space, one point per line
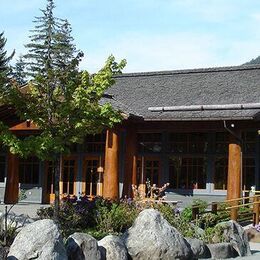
114 218
101 217
98 217
213 235
62 101
18 71
186 214
207 220
4 60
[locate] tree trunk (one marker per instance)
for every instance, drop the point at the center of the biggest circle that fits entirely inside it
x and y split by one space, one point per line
57 173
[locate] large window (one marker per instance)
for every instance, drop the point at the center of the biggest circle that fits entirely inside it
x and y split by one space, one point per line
151 171
248 173
29 171
91 176
94 143
68 176
249 145
222 143
187 143
220 175
221 160
187 173
149 142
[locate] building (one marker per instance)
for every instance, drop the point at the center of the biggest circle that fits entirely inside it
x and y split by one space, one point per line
196 129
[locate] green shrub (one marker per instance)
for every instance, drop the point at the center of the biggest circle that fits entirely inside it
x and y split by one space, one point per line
186 214
207 220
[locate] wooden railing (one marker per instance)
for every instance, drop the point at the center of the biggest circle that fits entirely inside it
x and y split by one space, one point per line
250 205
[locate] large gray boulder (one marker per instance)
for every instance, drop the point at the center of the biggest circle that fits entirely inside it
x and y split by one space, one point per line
152 237
222 251
199 248
112 248
236 236
81 246
39 240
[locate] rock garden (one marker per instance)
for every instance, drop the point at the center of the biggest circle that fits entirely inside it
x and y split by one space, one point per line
102 229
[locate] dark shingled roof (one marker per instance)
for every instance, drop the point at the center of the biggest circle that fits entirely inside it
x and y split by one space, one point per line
134 93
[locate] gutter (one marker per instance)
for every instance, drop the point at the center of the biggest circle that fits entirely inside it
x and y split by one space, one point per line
206 107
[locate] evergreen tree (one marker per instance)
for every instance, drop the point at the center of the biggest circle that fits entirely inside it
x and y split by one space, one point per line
18 71
60 100
51 46
4 59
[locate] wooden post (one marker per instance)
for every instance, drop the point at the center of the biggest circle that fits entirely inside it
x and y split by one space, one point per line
111 175
195 212
234 173
256 211
142 184
12 182
130 162
214 207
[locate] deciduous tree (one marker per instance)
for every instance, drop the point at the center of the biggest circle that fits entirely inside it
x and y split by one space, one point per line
63 102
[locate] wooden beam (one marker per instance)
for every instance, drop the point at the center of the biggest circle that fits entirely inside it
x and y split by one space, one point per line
130 161
234 172
12 181
111 175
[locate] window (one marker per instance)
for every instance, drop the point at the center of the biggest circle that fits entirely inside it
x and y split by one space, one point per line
249 139
151 171
68 178
50 178
187 173
2 168
91 176
29 171
95 143
222 143
188 143
248 173
221 171
149 142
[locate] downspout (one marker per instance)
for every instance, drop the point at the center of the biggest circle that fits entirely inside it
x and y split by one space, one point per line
241 142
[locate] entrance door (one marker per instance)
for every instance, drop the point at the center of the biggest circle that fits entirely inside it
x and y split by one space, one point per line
148 168
29 179
68 178
92 176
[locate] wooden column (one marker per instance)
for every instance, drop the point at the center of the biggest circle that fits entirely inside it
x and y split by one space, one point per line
12 182
234 172
130 162
142 184
111 174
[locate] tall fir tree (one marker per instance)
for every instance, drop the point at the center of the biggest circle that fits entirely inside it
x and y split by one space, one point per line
51 46
18 71
4 59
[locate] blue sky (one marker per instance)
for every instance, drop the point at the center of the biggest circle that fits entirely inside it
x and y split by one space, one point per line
150 34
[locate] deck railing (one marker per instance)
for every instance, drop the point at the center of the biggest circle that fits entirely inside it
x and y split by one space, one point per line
242 209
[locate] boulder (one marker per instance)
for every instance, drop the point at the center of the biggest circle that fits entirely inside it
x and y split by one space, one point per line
222 251
39 240
253 235
112 248
3 253
152 237
81 246
236 236
199 248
